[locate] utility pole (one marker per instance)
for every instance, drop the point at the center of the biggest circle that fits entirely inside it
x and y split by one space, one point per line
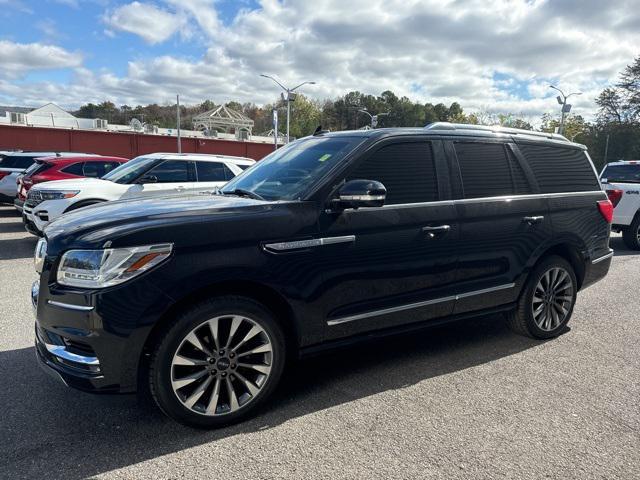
566 108
275 128
606 150
178 119
290 97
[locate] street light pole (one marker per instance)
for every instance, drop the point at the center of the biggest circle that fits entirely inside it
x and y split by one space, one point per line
374 118
290 96
565 108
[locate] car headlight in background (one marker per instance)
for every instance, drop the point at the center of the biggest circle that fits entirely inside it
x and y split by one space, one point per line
57 194
108 267
39 254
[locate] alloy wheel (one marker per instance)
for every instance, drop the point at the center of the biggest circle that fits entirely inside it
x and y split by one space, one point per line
221 365
552 299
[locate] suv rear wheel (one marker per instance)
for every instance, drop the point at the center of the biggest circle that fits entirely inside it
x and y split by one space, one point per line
631 234
219 361
547 302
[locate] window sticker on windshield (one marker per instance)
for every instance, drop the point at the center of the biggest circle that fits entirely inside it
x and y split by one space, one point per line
324 157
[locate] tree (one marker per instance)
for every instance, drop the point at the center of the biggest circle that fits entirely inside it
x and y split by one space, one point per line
574 126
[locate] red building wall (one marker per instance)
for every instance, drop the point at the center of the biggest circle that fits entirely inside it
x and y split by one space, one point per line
126 145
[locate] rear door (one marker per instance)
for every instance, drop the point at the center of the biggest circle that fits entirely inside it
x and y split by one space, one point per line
502 222
395 264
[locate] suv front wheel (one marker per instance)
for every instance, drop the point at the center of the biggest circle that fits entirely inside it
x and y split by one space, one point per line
547 302
218 362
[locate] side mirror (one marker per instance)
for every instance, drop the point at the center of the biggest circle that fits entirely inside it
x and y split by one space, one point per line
147 179
361 193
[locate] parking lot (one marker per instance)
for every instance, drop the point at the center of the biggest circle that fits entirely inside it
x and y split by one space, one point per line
470 400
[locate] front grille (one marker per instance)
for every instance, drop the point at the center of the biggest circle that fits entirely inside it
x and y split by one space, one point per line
34 198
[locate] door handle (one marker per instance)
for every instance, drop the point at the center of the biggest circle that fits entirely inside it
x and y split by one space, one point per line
533 220
179 189
432 232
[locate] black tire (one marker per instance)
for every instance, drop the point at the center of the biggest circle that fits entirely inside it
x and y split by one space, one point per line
631 234
86 203
220 309
522 320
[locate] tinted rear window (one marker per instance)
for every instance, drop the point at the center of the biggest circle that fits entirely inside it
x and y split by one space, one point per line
485 169
622 173
14 161
560 169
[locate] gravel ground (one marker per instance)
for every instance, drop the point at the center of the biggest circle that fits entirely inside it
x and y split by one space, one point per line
470 400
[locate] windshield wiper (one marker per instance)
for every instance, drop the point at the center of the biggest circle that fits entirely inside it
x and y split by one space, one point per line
241 192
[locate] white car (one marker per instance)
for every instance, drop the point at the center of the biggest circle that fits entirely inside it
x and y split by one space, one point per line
621 181
153 174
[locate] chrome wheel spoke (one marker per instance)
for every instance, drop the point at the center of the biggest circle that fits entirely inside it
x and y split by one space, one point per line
188 361
193 339
253 389
188 380
213 328
264 369
197 394
233 398
255 330
266 348
213 401
235 323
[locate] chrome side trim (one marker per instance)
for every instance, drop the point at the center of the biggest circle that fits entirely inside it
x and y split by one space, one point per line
69 306
485 290
410 306
313 242
61 352
602 258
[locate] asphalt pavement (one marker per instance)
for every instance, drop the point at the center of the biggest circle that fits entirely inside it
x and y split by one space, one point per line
469 400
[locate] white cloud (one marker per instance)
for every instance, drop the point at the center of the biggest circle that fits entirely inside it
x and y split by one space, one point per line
19 58
428 50
153 24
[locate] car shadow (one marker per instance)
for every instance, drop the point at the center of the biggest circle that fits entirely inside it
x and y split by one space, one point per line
14 248
51 430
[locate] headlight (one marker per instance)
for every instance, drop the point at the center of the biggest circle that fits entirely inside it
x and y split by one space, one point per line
111 266
39 254
58 194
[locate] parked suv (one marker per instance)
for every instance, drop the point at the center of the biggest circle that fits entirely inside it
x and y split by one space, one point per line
61 168
147 175
13 164
621 181
333 238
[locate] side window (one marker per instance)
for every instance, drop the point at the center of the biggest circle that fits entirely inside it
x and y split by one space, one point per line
560 169
213 172
485 169
170 171
92 169
407 171
74 169
106 167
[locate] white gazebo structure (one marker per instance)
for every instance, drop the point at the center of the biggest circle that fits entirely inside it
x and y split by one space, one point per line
224 120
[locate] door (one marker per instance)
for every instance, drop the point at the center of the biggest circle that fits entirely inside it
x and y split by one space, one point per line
170 176
392 265
502 222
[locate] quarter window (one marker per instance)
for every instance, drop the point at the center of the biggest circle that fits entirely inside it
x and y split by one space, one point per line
560 169
74 169
406 170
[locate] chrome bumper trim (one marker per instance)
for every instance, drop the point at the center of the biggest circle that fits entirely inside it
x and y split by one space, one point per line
69 306
602 258
61 352
410 306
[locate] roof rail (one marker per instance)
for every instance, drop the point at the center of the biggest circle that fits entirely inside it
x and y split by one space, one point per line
494 129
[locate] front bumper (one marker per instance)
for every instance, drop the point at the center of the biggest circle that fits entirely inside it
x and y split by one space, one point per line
18 204
30 226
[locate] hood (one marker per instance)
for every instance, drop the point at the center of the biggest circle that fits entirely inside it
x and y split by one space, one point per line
112 221
70 184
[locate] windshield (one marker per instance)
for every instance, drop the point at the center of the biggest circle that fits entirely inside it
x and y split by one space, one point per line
127 172
291 170
622 173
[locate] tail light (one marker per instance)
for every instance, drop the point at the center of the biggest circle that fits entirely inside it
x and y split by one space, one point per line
615 196
606 210
3 174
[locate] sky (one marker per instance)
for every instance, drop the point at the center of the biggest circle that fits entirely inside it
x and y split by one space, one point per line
497 56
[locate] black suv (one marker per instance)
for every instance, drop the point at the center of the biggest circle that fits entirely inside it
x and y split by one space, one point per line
331 239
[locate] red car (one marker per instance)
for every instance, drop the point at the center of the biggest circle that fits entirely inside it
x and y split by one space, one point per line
61 168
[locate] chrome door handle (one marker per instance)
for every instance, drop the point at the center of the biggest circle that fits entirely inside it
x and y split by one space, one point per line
533 220
432 232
